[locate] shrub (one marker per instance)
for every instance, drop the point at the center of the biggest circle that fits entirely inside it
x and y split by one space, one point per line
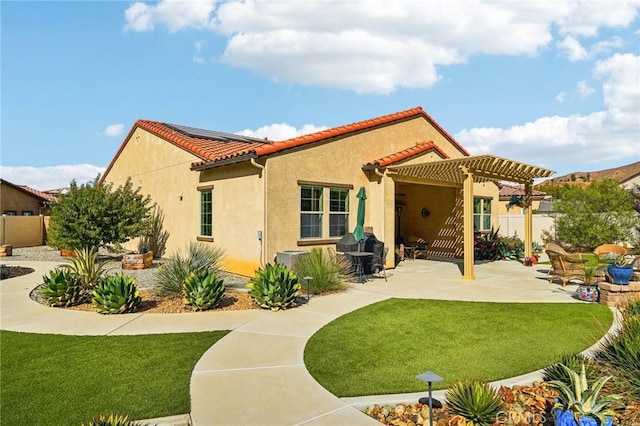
476 401
203 291
62 288
156 238
116 294
112 420
327 270
274 287
86 267
492 246
199 257
574 361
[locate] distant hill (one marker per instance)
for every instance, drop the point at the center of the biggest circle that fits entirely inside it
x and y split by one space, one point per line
619 174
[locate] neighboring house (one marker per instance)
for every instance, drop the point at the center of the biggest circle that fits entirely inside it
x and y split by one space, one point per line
254 197
21 200
24 214
506 194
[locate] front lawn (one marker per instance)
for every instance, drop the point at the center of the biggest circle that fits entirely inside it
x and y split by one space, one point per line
65 380
381 348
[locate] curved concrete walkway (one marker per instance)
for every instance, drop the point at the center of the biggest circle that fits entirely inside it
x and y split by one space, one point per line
256 373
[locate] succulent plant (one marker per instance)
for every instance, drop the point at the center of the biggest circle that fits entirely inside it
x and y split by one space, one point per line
203 290
116 294
476 401
61 288
112 420
274 287
86 267
579 398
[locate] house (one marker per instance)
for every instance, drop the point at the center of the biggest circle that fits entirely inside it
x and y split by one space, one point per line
21 200
510 193
25 213
254 197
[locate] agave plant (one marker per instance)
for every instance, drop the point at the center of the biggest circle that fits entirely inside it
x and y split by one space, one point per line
581 400
476 401
85 265
61 288
203 290
116 294
274 287
112 420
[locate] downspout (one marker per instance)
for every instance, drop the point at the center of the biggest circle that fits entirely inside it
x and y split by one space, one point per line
263 244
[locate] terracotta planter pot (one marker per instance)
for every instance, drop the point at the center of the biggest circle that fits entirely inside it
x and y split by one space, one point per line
67 253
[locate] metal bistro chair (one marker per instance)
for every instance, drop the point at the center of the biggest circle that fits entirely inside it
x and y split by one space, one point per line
378 263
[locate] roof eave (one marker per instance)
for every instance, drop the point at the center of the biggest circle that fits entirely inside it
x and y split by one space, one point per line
213 164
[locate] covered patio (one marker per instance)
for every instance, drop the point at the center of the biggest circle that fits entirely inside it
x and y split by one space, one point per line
464 172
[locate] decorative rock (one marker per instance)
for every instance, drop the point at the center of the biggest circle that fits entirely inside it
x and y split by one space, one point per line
425 400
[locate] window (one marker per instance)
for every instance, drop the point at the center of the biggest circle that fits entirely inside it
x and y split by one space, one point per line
316 215
482 214
27 213
338 211
206 212
311 207
10 212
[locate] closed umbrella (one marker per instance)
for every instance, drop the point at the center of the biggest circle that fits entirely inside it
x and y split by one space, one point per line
358 233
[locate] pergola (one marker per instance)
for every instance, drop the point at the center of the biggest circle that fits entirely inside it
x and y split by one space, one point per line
465 171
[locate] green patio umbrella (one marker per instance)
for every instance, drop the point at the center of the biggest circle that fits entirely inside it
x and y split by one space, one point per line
358 233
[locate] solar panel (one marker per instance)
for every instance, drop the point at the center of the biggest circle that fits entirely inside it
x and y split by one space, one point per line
213 135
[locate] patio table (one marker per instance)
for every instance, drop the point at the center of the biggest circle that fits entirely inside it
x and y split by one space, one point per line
357 260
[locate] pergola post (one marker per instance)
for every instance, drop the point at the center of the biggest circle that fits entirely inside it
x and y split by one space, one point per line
528 221
468 273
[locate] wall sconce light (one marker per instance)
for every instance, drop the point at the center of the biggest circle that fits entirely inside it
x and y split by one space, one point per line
180 197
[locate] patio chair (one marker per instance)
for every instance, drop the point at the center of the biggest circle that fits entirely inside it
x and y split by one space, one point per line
605 251
418 247
565 267
378 263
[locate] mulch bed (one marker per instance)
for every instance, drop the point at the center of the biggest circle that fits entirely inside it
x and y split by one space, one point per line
7 272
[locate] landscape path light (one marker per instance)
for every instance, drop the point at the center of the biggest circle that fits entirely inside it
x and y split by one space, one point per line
308 280
430 377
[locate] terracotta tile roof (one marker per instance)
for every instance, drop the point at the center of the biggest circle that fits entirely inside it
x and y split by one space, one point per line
511 190
211 151
405 154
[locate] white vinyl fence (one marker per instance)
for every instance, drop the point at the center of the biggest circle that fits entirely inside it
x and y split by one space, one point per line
513 224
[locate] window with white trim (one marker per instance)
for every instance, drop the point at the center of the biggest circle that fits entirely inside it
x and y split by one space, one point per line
324 211
482 214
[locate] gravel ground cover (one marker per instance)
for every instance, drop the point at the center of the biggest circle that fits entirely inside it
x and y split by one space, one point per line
236 298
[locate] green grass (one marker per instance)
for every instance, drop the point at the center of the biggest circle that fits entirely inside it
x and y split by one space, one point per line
65 380
381 348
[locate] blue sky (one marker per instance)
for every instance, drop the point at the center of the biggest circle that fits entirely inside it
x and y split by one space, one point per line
550 83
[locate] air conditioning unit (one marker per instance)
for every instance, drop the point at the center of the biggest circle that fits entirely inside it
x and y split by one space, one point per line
288 257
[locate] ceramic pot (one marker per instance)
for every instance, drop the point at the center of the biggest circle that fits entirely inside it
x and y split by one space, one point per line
565 418
620 274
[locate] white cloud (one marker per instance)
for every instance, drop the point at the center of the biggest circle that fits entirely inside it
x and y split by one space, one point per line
173 14
553 141
53 177
113 130
573 49
377 46
560 97
584 90
281 131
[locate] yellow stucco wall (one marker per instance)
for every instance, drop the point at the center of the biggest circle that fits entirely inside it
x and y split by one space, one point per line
12 199
162 171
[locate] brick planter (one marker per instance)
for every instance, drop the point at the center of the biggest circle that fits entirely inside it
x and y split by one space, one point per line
137 261
616 295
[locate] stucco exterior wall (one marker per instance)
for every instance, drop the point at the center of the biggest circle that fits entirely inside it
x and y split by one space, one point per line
22 231
12 199
340 163
162 171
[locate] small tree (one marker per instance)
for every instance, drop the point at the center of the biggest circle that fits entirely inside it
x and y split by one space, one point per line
599 213
92 215
156 238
